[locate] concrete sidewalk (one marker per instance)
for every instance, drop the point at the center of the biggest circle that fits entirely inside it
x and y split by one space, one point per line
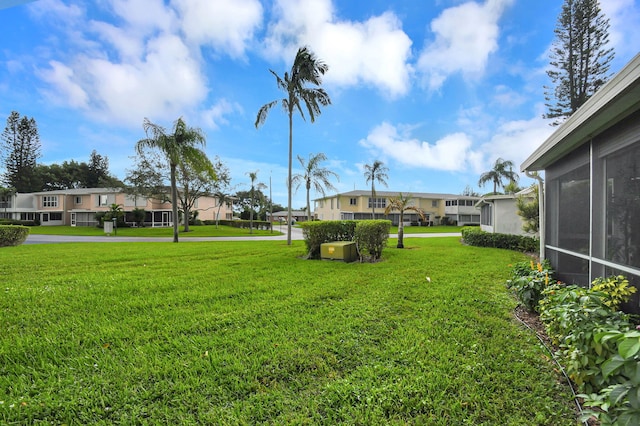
296 234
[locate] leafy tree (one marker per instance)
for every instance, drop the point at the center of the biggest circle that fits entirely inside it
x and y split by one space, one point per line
97 173
221 186
5 196
502 169
306 69
314 175
402 204
512 187
580 58
469 192
376 172
195 183
179 147
529 210
21 143
147 178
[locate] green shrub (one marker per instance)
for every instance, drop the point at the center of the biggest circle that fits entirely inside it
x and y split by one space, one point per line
371 238
476 237
318 232
619 403
13 235
528 280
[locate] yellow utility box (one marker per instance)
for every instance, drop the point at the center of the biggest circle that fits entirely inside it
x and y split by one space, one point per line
339 250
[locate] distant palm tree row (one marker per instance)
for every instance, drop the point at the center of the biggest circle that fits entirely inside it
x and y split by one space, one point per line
302 86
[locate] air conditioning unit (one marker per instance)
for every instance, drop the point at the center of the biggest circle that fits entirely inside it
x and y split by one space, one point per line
339 250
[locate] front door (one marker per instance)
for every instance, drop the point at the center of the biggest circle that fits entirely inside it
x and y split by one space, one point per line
165 219
73 219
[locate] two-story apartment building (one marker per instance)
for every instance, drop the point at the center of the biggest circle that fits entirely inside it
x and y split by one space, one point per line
78 207
359 205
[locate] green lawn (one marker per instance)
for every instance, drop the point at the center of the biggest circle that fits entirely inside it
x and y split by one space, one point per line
194 231
238 333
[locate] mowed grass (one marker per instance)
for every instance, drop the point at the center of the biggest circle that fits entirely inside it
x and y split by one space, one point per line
194 231
236 333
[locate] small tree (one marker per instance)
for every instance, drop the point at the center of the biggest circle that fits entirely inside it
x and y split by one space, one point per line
315 176
502 169
401 203
376 172
529 210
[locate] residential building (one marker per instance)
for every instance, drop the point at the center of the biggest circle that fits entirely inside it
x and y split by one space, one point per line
591 221
499 213
78 207
358 205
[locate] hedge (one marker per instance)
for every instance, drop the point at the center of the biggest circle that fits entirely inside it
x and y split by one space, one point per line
13 235
477 237
370 236
317 233
257 224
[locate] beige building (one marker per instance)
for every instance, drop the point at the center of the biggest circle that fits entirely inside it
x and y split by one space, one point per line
78 207
438 208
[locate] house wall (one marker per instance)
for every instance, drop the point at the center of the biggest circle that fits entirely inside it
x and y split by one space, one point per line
506 219
592 208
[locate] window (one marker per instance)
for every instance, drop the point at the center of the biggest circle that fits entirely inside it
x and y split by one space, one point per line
447 203
5 202
434 203
78 199
27 216
353 201
378 203
469 203
55 216
622 243
49 201
102 200
486 215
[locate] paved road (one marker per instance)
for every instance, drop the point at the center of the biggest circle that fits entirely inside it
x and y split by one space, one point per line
296 234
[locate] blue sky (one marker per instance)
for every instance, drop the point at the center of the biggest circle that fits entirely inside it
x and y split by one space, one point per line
437 90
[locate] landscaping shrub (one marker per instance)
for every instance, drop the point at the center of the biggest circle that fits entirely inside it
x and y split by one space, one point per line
598 344
19 222
317 233
13 235
371 238
528 280
476 237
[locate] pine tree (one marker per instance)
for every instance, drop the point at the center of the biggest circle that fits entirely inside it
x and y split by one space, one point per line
580 58
21 143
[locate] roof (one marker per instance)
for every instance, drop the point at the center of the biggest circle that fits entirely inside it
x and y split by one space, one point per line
527 192
430 195
616 100
80 191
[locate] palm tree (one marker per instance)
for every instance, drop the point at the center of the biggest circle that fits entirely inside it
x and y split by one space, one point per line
314 175
401 203
306 69
502 169
259 186
376 172
179 147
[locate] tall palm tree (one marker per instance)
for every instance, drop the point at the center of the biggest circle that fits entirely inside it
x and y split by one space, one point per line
180 146
315 176
376 172
502 169
306 69
254 186
401 203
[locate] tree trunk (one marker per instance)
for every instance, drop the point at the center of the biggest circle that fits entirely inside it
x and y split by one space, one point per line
289 176
308 202
174 203
401 232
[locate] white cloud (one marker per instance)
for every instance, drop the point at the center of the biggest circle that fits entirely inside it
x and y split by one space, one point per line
215 116
451 153
465 36
516 140
228 26
64 81
373 52
624 17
